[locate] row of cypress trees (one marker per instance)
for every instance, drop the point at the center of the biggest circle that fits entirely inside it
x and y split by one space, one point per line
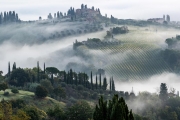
115 109
10 16
76 78
9 68
82 79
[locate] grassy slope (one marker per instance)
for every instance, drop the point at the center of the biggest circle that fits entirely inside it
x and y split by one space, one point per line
139 55
29 98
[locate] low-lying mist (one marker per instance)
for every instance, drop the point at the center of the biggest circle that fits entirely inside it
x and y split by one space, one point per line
20 43
151 85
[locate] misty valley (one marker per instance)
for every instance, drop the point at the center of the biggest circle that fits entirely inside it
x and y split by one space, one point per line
83 65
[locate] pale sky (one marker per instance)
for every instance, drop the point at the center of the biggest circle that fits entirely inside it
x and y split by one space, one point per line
123 9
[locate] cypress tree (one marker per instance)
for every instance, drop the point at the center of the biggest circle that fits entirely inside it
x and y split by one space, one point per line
76 81
14 66
115 109
163 92
100 81
91 81
10 16
113 85
104 83
92 7
13 16
38 71
68 80
44 68
84 80
52 79
96 82
82 6
65 79
131 115
0 19
71 76
17 18
79 82
99 11
5 16
9 69
110 86
58 14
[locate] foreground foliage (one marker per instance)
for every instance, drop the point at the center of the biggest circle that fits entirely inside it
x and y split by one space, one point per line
115 109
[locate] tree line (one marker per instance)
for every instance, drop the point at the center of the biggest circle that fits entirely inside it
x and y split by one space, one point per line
19 77
9 17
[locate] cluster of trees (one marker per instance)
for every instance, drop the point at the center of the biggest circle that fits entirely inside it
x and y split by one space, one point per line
3 86
56 15
173 42
164 106
115 109
171 57
18 110
8 17
71 12
93 40
83 79
96 42
50 80
19 77
116 30
120 30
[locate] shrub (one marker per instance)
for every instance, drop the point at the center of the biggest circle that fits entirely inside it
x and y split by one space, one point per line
47 84
94 95
35 113
19 103
6 93
41 91
79 111
14 90
80 87
57 113
63 84
32 86
85 94
3 86
72 100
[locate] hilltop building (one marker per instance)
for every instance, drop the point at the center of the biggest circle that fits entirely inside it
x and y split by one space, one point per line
160 20
89 14
156 20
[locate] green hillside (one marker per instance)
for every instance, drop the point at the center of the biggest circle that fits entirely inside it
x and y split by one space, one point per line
30 99
137 57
